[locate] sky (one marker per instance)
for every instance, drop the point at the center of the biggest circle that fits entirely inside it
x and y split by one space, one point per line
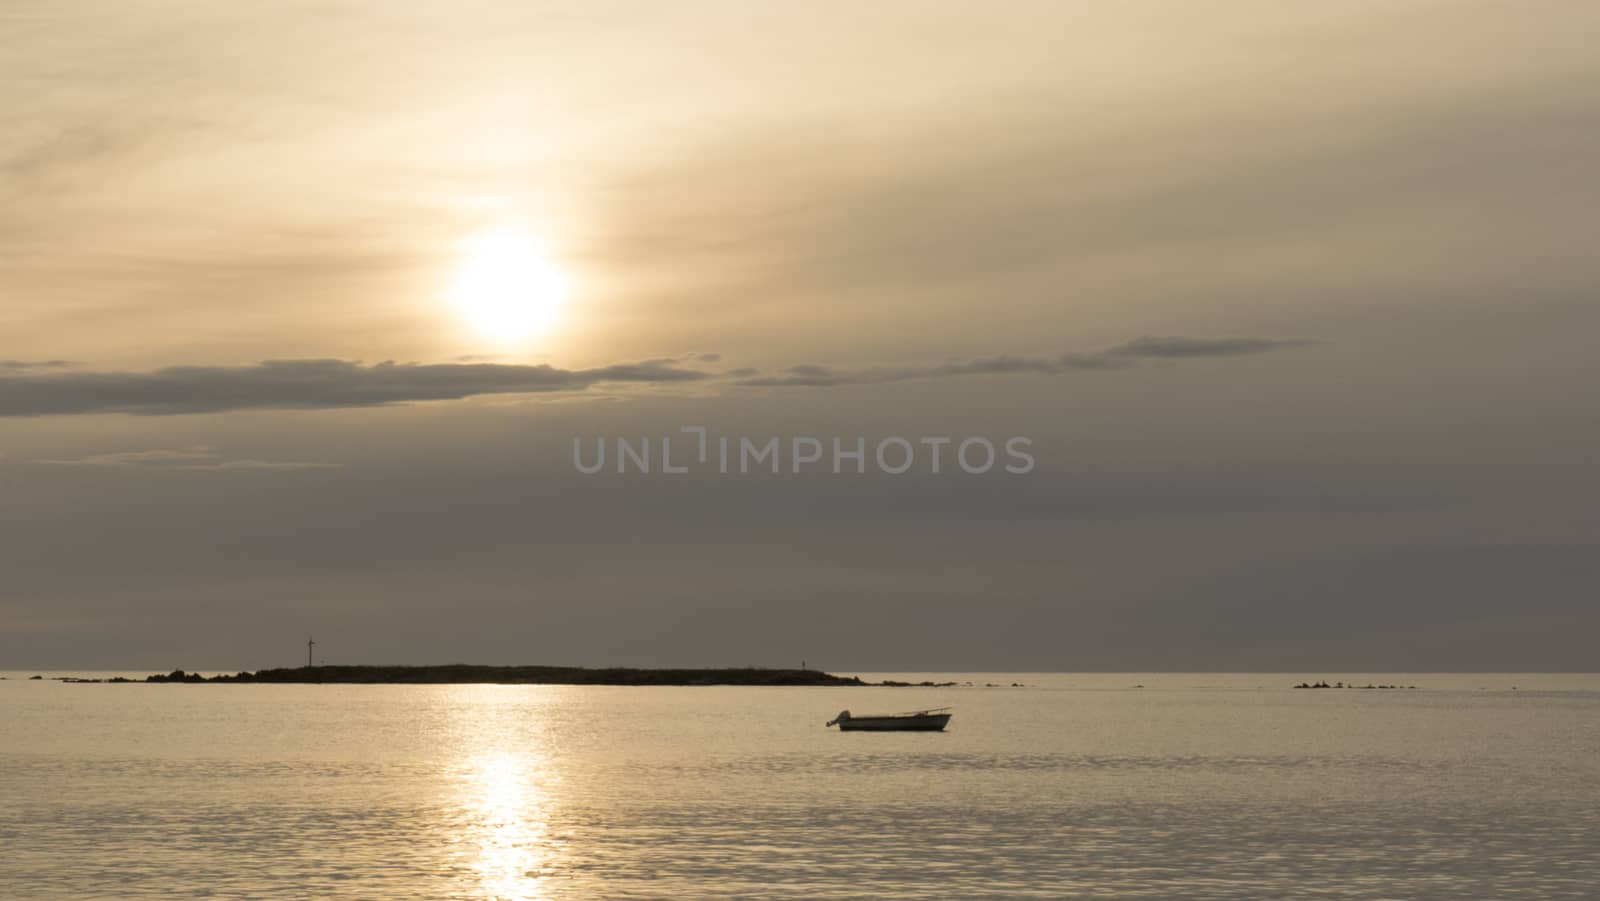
304 306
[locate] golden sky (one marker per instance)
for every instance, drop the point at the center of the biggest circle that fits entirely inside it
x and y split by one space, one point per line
1180 243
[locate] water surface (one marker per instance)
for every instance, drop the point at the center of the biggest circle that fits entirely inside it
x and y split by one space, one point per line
1194 786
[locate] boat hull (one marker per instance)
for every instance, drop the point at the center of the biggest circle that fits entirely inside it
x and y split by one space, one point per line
932 722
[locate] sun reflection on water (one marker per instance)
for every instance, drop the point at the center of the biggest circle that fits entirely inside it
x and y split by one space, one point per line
509 827
504 788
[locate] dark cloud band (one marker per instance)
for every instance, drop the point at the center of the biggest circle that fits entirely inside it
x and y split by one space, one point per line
1119 357
1151 346
37 390
302 384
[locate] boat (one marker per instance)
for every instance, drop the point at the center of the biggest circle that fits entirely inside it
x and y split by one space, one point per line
933 720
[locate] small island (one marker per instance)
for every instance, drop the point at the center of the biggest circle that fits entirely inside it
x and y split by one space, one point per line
466 674
1324 684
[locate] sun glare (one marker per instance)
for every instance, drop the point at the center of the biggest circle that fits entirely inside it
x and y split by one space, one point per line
505 287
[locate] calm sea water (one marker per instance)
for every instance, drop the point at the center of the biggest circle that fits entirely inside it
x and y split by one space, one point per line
1195 786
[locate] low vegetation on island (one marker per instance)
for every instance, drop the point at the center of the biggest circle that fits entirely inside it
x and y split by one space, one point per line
470 674
459 673
1324 684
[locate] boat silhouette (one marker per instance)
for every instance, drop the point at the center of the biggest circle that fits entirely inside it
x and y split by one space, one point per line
932 720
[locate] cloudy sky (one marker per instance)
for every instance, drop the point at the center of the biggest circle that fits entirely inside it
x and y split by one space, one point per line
303 305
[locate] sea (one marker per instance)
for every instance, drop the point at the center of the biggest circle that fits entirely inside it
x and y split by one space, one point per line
1058 785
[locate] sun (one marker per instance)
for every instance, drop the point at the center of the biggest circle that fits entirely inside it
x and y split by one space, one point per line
505 287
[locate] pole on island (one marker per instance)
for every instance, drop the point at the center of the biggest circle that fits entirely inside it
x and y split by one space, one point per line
310 643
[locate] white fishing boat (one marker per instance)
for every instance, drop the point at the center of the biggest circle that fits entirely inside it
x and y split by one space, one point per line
933 720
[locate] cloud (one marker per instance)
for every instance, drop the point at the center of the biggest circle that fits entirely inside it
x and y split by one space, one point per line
199 457
1120 357
1153 346
329 384
807 376
811 375
302 384
34 364
1067 362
